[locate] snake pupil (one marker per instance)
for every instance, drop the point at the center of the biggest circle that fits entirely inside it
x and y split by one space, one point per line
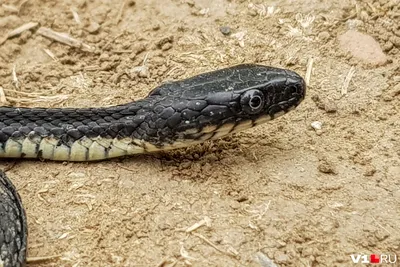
252 101
255 102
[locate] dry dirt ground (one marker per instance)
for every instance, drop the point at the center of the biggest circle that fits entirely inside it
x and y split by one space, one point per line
285 191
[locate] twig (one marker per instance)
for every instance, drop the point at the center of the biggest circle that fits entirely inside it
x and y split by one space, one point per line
50 54
260 211
21 5
205 221
347 80
14 78
10 8
142 70
167 261
53 90
213 245
309 70
373 9
352 16
22 28
3 99
40 259
9 167
75 15
185 254
19 30
24 93
121 51
63 38
145 58
112 40
126 168
120 11
209 242
380 225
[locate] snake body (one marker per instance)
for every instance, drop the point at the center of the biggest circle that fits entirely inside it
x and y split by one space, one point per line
13 226
176 114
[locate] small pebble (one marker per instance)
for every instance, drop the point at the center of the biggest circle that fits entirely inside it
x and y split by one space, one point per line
326 167
317 125
235 205
242 199
76 175
264 260
156 27
94 27
324 35
395 40
225 30
143 72
166 46
354 24
362 47
364 16
281 244
370 171
252 12
163 41
387 46
330 107
281 257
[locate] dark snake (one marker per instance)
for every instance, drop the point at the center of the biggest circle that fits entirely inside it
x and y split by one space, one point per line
174 115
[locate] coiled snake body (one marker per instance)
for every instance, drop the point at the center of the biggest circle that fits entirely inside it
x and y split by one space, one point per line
176 114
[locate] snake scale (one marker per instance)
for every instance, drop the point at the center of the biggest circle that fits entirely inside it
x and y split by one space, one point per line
174 115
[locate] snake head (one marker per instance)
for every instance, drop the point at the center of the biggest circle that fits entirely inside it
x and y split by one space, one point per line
214 104
272 93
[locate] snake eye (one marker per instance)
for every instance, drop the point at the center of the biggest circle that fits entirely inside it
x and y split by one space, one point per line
252 101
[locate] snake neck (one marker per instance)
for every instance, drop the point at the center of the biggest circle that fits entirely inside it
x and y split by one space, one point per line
81 134
73 123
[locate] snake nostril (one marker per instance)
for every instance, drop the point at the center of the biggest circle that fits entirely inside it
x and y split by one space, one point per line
297 90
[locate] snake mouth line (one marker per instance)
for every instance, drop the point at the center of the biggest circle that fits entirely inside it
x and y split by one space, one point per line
215 132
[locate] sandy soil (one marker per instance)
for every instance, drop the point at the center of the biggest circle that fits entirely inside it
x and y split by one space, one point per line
283 191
